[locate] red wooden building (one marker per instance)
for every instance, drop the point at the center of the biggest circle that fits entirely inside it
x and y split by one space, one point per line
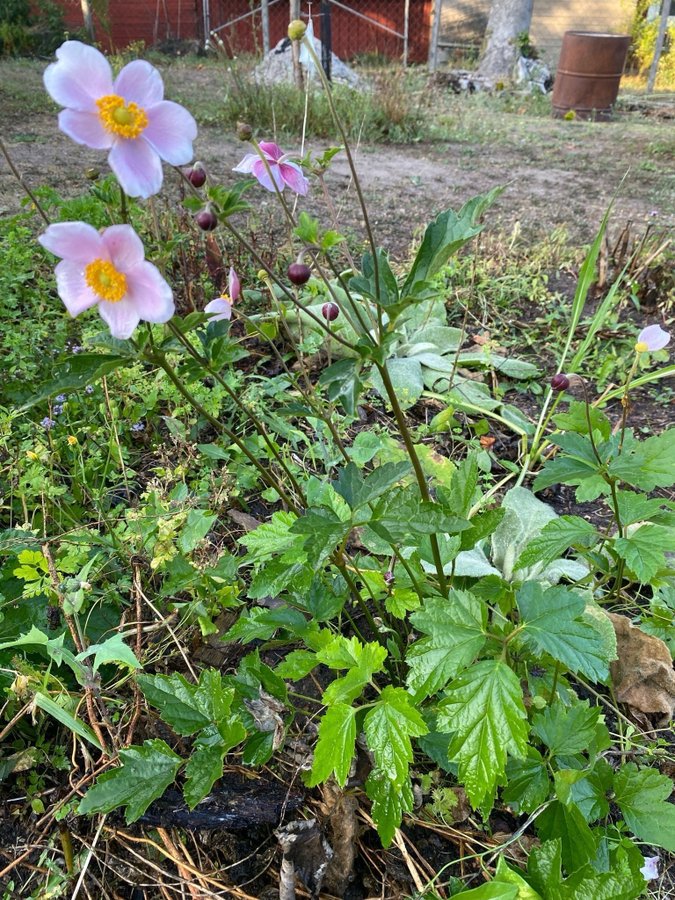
358 26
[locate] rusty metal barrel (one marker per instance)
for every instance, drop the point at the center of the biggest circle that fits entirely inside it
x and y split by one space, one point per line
588 74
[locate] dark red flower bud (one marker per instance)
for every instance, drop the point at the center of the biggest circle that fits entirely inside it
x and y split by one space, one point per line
330 311
196 175
389 577
206 220
299 273
560 382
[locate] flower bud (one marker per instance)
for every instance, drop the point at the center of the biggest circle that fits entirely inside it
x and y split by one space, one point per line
206 220
560 382
389 577
244 131
196 175
330 311
296 30
298 273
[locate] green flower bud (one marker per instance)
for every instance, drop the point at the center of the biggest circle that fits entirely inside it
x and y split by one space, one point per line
296 30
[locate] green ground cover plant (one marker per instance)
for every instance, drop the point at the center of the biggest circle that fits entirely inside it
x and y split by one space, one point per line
408 628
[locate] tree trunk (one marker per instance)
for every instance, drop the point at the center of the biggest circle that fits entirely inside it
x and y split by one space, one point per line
508 19
88 19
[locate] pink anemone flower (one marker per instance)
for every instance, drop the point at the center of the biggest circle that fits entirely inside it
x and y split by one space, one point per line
127 116
221 307
283 172
651 339
108 269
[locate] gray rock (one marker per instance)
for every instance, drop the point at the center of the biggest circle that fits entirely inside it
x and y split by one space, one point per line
277 67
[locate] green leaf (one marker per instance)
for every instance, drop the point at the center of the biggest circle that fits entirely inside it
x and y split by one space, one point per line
455 630
579 845
406 379
590 793
46 704
324 530
623 882
145 773
390 801
644 550
112 650
382 290
647 464
389 725
494 890
553 622
555 538
506 875
271 537
297 665
401 601
362 660
576 419
343 383
567 730
175 699
307 229
527 782
205 765
73 374
196 528
358 491
641 795
335 748
443 237
484 711
401 513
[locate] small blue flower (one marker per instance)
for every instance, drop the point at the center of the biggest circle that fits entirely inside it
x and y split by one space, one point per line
138 426
89 389
47 423
60 398
58 409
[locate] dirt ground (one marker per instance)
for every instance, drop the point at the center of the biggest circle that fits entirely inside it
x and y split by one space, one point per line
557 172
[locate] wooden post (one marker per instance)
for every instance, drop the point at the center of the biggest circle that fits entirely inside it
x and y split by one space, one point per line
406 31
265 21
326 38
295 46
663 26
435 31
88 17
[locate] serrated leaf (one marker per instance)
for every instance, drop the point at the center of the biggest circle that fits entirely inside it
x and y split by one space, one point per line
455 630
553 623
401 513
271 537
362 660
484 711
389 725
343 383
555 538
527 782
647 464
174 697
205 765
323 530
145 773
112 650
544 871
579 845
576 419
390 801
641 795
644 550
335 748
358 491
297 665
566 730
401 601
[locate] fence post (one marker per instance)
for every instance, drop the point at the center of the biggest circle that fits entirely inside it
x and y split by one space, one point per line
406 31
295 46
663 27
435 30
265 22
326 38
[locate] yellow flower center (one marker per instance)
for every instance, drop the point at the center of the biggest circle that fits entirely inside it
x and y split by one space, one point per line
126 120
641 347
104 280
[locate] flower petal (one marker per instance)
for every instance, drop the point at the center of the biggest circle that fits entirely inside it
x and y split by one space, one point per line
654 337
121 317
72 288
140 83
247 163
150 294
171 131
260 171
74 240
137 167
293 177
85 128
80 76
124 247
271 150
218 309
234 285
